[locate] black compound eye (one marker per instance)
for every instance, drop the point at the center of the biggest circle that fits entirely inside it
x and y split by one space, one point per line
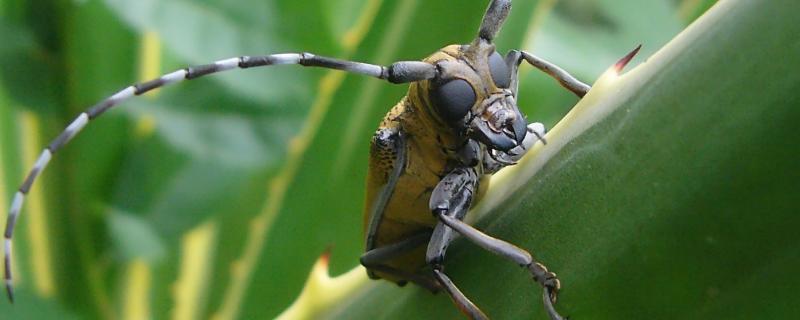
499 70
453 99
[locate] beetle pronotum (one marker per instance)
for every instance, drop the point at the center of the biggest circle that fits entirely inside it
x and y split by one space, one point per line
458 125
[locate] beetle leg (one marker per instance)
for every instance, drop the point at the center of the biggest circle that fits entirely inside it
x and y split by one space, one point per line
375 259
423 281
388 143
437 247
455 190
464 304
452 196
539 272
450 201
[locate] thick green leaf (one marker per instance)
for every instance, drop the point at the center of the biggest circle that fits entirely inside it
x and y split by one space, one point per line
667 193
33 307
217 150
325 202
585 37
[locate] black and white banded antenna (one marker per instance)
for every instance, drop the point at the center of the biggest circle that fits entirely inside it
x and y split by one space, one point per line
398 72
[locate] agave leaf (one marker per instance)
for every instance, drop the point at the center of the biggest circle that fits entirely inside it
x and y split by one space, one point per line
667 192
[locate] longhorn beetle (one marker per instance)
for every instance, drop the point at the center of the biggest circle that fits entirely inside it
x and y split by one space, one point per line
430 158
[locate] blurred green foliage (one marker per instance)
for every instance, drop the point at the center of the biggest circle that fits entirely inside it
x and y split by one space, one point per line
215 197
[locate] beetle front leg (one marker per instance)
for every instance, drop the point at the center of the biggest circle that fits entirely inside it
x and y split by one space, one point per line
456 190
450 201
540 274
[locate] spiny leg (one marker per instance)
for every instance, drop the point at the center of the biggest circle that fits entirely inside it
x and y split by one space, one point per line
375 259
455 190
391 141
399 72
437 249
462 302
502 248
449 202
452 196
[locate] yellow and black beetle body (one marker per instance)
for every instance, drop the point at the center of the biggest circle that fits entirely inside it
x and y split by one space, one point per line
400 182
430 158
433 155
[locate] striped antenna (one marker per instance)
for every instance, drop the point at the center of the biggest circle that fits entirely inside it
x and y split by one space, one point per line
399 72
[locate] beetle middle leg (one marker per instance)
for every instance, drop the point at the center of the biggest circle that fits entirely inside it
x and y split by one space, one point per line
375 259
450 201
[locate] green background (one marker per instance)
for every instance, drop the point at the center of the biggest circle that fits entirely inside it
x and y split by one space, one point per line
680 203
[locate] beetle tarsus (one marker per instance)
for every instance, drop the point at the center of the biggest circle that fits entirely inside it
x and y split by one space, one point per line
548 305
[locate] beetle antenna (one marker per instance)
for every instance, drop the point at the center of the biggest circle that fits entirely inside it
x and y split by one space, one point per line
493 19
398 72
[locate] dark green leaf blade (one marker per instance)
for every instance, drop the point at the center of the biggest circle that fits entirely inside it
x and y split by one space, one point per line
680 203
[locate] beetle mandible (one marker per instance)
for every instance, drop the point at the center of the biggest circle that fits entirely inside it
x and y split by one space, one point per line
430 159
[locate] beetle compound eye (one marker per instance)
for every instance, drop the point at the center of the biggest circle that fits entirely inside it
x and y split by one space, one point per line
453 99
499 70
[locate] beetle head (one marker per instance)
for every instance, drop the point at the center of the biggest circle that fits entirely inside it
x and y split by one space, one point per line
471 95
475 88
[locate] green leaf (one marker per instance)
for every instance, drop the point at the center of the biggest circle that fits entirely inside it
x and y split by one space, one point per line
135 238
585 37
28 306
272 160
669 192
